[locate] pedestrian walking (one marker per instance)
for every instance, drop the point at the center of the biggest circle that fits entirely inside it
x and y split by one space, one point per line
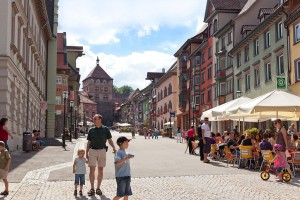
5 161
145 132
122 169
190 138
156 133
79 170
133 132
206 135
4 132
201 147
178 135
96 152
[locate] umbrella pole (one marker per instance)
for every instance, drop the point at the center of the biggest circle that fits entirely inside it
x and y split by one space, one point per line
243 123
239 124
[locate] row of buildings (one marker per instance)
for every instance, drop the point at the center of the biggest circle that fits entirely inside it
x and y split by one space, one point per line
246 47
39 79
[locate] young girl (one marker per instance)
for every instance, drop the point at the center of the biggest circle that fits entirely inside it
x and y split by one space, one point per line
79 170
279 161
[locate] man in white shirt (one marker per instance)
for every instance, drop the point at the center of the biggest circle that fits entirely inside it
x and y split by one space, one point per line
206 135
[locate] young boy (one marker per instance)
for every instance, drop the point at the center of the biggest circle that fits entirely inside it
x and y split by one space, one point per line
4 166
122 169
79 170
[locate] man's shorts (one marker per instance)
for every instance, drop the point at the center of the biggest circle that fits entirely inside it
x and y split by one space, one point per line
97 157
3 174
206 146
123 186
79 179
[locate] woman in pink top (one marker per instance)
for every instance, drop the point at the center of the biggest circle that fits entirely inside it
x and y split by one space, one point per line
4 132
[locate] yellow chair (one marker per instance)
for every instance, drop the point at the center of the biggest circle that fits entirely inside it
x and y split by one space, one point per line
246 154
229 156
267 157
295 161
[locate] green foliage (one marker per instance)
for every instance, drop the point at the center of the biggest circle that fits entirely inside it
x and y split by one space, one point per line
125 89
254 131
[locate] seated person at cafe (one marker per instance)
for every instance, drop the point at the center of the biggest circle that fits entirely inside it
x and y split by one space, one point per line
265 144
240 139
39 138
219 138
232 144
291 145
35 144
248 141
225 136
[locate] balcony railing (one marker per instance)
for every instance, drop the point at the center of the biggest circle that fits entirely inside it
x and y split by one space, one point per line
220 75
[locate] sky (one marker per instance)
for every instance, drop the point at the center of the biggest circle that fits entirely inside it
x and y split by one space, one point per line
130 37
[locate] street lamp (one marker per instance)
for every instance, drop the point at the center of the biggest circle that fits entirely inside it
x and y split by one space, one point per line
170 111
65 96
193 106
239 94
75 109
71 127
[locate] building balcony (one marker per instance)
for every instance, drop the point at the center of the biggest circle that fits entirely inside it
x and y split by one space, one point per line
220 75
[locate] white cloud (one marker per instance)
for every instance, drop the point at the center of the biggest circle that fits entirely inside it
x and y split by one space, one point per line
127 70
147 30
100 21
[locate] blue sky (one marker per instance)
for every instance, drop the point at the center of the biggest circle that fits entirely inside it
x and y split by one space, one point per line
132 38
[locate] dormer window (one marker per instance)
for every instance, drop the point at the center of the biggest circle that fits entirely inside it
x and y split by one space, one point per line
264 13
246 29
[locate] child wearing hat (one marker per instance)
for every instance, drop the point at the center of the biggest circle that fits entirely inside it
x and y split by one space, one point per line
122 169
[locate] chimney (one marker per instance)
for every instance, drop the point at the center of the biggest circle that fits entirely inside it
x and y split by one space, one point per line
163 70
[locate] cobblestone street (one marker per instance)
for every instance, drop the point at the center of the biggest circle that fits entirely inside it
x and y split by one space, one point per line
161 174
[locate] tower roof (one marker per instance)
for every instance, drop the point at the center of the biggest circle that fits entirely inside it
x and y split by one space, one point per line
98 72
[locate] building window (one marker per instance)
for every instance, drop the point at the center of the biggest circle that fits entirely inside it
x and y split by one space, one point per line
267 40
215 25
256 77
203 57
65 81
208 95
268 72
170 89
256 47
223 43
280 65
297 33
238 60
197 80
165 92
279 30
105 89
229 86
209 73
229 61
246 54
297 70
209 52
202 98
58 100
229 37
215 92
197 100
203 76
197 59
238 84
58 80
247 82
217 46
222 89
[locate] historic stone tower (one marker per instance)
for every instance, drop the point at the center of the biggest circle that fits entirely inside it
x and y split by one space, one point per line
99 86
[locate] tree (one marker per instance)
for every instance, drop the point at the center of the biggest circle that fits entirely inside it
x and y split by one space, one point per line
125 89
